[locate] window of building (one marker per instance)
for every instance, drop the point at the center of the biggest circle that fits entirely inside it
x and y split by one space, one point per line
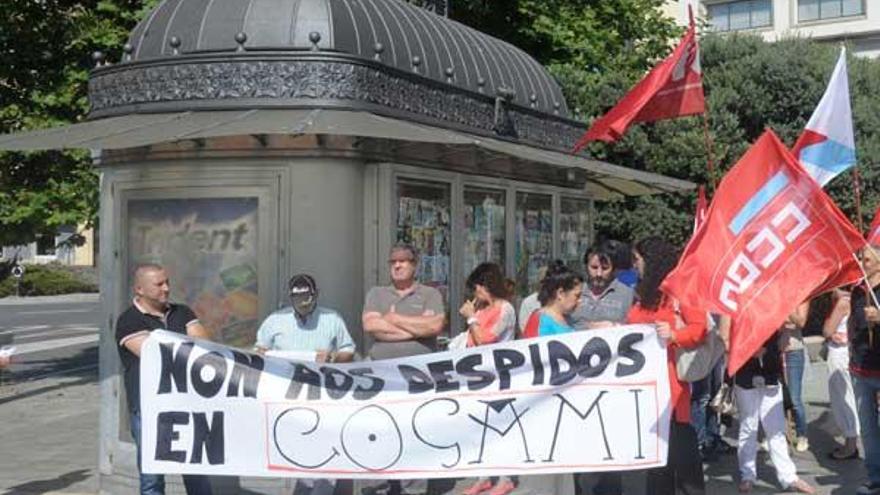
741 14
815 10
46 245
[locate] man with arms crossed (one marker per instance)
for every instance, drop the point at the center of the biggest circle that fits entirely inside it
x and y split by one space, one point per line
404 318
151 310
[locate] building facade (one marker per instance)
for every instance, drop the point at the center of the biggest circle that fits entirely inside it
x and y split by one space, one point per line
851 21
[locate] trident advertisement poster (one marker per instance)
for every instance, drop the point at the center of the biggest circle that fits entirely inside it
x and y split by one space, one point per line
586 401
209 247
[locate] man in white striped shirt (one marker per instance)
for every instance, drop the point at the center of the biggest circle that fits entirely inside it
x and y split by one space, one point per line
306 327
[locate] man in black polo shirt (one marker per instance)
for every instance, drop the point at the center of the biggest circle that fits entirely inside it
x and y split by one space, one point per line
149 311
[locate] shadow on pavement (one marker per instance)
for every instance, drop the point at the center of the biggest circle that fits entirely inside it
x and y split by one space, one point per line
848 474
82 364
87 376
48 485
39 368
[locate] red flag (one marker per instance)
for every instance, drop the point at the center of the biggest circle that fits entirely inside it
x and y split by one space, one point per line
674 88
874 231
702 208
772 239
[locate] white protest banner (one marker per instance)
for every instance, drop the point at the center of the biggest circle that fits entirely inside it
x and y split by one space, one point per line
585 401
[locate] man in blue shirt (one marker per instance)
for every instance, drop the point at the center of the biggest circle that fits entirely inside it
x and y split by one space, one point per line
306 327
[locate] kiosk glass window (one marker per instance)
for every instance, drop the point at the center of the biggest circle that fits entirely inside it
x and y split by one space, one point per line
574 231
484 225
534 238
209 248
423 220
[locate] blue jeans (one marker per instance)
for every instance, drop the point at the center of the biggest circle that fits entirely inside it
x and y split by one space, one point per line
705 421
794 378
154 484
866 390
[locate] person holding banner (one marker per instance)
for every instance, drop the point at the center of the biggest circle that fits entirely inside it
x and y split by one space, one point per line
758 389
490 319
678 326
560 294
152 310
304 327
607 300
864 364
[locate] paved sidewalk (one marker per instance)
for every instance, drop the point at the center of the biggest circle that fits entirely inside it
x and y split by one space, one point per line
61 299
49 435
49 442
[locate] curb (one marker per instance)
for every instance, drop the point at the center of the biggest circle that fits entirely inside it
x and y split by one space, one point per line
60 299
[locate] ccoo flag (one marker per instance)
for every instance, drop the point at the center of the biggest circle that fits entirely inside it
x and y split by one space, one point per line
827 147
674 88
772 239
874 231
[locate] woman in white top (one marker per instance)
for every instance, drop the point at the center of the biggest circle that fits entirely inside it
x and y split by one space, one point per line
840 388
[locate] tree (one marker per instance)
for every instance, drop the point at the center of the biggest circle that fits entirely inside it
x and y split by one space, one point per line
598 50
750 85
589 45
46 50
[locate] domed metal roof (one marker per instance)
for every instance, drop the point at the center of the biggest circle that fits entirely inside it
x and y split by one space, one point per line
392 32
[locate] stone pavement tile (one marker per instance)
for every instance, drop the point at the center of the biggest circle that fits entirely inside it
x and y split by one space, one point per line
50 428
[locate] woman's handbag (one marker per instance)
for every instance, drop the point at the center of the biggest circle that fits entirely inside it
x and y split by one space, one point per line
692 365
724 402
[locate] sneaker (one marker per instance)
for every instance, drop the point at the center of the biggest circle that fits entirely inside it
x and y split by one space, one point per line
802 445
503 488
745 486
841 454
478 488
869 488
800 486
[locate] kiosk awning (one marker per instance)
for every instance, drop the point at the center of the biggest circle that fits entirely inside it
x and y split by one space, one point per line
603 180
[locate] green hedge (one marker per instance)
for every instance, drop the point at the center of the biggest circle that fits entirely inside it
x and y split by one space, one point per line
44 280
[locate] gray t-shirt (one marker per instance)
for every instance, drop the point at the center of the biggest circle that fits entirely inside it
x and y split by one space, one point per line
612 305
421 301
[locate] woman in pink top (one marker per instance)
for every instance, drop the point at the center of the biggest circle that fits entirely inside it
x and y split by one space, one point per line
490 319
490 316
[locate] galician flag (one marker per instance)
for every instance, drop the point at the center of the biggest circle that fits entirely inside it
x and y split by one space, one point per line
826 147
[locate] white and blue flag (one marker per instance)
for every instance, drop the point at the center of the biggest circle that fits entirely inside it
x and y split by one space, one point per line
827 147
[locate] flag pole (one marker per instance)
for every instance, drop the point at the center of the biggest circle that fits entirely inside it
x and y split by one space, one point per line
707 136
710 153
857 191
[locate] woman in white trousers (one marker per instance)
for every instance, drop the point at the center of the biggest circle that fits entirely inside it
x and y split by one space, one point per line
840 388
758 388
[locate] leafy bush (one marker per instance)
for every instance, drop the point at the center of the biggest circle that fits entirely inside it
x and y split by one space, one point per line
44 280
